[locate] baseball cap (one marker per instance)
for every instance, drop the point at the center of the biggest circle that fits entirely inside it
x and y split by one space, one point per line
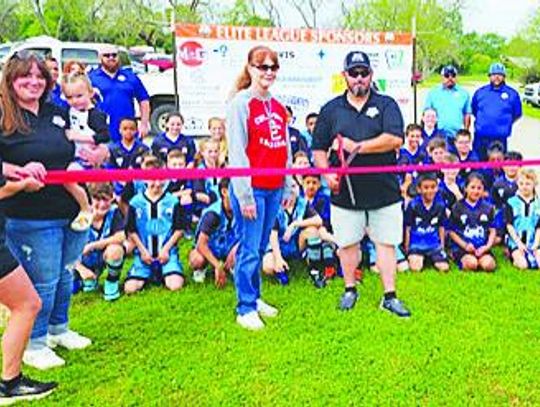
497 69
356 59
449 70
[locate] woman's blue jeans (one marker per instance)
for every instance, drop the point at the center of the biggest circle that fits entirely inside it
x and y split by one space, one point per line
47 249
254 236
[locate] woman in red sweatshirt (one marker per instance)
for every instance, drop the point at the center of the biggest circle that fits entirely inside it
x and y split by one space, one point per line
258 138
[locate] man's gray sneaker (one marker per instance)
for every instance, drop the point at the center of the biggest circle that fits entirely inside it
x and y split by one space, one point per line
348 299
395 306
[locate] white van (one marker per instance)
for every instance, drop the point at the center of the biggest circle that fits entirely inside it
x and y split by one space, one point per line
63 51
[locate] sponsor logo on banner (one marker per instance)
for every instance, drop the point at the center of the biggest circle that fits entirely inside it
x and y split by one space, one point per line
191 53
394 59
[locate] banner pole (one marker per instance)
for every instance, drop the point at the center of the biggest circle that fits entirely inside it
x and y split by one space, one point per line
175 60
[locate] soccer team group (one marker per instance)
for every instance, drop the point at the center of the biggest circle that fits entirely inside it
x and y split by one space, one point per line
454 214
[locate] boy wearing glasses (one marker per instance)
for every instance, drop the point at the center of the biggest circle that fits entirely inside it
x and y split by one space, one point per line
452 103
118 89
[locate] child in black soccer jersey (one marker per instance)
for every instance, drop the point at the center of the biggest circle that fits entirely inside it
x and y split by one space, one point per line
472 229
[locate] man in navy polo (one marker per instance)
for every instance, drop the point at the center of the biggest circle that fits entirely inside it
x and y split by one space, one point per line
452 104
371 129
495 106
118 89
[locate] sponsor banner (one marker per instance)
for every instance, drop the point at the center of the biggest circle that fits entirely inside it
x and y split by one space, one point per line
210 58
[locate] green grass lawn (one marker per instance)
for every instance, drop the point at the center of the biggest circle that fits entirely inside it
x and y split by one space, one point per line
473 339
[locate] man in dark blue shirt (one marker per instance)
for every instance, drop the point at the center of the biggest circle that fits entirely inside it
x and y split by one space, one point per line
495 106
371 130
118 88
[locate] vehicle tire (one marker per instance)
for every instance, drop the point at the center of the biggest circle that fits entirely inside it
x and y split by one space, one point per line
159 117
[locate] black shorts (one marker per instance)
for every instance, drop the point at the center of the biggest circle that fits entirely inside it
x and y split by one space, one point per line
8 262
434 256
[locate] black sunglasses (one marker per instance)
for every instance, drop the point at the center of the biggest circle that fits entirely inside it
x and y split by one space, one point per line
110 55
355 73
266 68
449 75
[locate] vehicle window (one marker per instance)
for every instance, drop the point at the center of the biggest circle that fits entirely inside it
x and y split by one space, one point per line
88 56
4 49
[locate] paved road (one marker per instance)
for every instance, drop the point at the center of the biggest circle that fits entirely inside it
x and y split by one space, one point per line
525 137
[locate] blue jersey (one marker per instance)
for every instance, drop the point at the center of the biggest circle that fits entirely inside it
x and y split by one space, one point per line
451 104
502 190
464 172
302 210
161 145
321 205
124 157
155 222
113 222
524 217
447 196
424 224
472 223
220 228
298 142
405 157
57 98
117 94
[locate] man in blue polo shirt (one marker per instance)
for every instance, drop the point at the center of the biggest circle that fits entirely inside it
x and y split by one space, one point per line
495 106
452 104
118 88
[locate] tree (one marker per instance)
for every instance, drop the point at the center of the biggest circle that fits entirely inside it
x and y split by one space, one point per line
439 25
308 10
244 13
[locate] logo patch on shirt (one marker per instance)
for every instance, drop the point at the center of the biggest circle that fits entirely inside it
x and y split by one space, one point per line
483 218
122 78
463 218
504 96
418 220
501 192
435 220
119 161
59 121
372 112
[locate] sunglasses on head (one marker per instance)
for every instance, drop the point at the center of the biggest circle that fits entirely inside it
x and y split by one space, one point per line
355 73
110 55
266 68
25 55
449 75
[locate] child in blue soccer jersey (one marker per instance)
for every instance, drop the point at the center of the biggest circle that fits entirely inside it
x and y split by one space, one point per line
472 230
411 153
104 250
216 239
464 153
522 216
155 223
503 188
449 189
206 190
495 153
424 220
181 188
173 138
295 235
320 202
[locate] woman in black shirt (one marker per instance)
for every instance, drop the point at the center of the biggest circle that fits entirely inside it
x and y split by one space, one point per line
33 140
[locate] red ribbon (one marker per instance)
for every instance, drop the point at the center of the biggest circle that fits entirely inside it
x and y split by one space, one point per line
109 175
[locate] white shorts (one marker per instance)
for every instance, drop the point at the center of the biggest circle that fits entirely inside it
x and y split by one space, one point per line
384 225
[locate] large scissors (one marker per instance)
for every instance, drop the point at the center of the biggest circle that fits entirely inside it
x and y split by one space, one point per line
345 163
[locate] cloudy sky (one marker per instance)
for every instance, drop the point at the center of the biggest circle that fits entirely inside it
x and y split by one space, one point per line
504 17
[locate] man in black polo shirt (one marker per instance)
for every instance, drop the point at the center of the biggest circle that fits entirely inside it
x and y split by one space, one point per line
370 127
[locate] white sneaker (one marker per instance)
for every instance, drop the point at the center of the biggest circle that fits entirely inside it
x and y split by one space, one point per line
70 340
250 321
266 310
199 276
42 359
